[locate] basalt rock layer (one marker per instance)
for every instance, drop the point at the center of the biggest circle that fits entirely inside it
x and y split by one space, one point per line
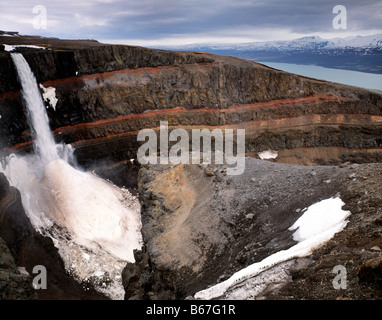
199 225
107 93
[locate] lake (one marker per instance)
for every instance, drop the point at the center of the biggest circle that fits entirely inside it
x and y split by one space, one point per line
353 78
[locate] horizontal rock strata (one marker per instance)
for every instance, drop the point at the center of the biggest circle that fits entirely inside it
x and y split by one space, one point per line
199 225
119 90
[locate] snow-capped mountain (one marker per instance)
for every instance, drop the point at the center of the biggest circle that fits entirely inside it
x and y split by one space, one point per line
305 43
359 53
372 41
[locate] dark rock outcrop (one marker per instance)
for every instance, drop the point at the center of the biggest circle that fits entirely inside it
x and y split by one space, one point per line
141 281
371 271
201 225
14 285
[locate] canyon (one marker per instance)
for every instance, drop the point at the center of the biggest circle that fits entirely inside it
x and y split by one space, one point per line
199 224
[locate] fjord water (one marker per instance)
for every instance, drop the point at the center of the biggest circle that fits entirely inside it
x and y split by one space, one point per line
94 224
352 78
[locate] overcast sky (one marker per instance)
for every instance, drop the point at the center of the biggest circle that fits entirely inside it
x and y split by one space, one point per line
170 22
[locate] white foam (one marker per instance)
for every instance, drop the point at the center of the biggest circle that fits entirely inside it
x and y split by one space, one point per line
94 224
91 209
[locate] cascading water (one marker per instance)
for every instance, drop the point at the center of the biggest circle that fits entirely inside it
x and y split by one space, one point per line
94 224
38 119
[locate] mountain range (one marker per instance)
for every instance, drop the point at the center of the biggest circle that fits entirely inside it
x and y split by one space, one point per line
359 53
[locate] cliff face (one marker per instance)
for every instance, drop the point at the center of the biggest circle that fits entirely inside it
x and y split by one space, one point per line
199 225
107 93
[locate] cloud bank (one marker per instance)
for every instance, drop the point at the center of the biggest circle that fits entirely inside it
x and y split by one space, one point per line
162 22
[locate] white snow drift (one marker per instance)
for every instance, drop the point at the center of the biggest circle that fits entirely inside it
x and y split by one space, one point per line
8 47
317 225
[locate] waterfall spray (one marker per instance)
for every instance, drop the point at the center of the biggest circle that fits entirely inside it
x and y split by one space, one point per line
94 224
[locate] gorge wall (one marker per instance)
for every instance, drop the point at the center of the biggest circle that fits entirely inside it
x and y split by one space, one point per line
199 225
107 93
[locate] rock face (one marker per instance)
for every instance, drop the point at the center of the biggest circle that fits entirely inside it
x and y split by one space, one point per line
199 228
107 93
199 224
14 285
371 271
356 248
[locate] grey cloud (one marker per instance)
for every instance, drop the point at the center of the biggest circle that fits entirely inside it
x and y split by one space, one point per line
153 19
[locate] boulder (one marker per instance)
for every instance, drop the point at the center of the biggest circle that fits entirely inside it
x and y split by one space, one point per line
371 272
14 285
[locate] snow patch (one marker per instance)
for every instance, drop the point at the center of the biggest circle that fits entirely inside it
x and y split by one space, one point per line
321 217
50 95
319 223
8 47
11 48
269 154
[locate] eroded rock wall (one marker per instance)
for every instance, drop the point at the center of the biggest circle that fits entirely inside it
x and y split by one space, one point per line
107 93
199 227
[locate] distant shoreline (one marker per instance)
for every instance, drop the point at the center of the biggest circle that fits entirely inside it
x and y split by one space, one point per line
370 81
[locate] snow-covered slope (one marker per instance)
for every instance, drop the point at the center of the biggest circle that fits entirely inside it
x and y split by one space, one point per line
305 43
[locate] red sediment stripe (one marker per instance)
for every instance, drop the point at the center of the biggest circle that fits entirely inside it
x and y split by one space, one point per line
253 127
180 110
136 73
250 125
77 82
12 95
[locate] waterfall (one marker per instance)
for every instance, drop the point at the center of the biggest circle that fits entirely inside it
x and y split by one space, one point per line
37 118
94 224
